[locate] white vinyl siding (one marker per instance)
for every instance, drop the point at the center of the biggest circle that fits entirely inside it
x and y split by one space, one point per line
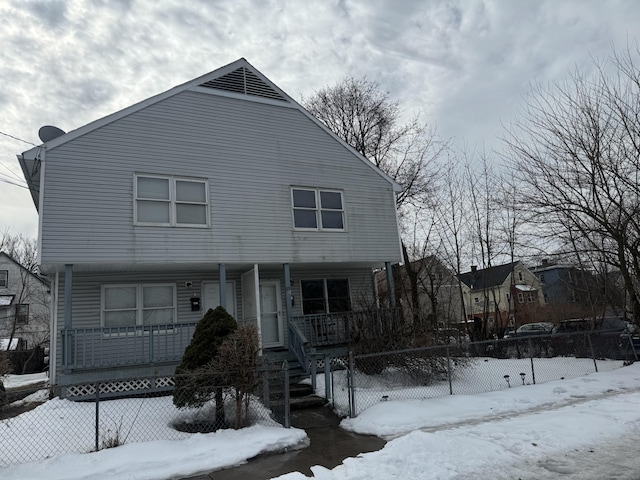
171 201
316 209
139 304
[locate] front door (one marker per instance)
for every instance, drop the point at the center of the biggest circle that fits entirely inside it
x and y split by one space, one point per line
271 325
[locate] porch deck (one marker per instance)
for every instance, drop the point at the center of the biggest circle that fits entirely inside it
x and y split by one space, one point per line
103 348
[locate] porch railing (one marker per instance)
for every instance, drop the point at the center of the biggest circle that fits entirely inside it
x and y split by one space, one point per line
88 348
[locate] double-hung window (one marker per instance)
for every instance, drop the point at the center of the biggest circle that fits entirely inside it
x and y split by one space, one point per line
134 305
4 278
325 296
22 314
316 209
171 201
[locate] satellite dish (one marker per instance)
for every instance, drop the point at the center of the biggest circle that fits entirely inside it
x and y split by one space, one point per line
49 132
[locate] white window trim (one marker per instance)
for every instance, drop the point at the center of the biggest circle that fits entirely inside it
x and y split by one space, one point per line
4 279
139 308
318 210
172 201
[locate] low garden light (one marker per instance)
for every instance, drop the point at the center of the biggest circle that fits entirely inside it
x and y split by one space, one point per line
506 377
522 375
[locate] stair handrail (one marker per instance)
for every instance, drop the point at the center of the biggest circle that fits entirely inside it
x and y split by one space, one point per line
299 345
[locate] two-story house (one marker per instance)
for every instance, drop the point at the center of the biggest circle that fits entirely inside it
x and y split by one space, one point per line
569 291
501 297
220 191
24 306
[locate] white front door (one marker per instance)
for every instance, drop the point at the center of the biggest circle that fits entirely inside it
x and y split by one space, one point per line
271 324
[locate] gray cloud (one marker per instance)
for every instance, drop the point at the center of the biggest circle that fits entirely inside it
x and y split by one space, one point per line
467 64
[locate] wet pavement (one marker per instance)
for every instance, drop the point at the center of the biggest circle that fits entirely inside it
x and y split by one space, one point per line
329 446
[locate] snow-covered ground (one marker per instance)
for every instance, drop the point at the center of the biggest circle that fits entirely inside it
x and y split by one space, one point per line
582 428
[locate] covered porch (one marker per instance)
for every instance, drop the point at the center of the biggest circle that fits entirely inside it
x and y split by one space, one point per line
268 296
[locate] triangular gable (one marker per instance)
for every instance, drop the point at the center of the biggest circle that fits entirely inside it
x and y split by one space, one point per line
6 256
244 81
237 79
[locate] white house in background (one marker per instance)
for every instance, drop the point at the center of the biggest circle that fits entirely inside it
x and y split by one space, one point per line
24 306
222 190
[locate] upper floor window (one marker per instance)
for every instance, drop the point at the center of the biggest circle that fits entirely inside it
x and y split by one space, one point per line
138 304
520 276
22 313
171 201
4 278
317 209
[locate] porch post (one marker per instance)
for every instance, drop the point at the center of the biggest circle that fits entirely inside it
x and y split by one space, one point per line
222 276
287 292
390 286
68 284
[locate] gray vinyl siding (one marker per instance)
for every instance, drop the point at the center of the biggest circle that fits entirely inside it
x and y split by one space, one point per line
252 154
86 300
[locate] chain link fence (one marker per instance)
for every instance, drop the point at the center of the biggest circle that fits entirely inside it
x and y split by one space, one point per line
35 425
472 368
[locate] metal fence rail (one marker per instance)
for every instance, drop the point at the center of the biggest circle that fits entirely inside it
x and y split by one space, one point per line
34 427
479 367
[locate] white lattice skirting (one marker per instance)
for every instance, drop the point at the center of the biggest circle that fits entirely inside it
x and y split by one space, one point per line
116 388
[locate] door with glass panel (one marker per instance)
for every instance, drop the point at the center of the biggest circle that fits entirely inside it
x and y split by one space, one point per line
271 322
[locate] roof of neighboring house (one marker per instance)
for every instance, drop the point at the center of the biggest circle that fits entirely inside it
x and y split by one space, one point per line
238 78
13 260
487 277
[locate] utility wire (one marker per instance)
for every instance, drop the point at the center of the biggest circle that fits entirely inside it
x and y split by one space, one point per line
16 138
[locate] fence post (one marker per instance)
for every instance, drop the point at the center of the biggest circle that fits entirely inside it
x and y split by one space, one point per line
97 387
351 386
327 379
533 372
593 353
266 394
312 357
449 371
287 416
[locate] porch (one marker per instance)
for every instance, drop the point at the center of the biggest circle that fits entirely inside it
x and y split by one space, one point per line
86 349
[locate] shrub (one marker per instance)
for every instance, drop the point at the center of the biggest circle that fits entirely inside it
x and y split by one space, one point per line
194 381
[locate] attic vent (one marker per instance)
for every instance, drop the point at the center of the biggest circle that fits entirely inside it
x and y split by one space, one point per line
243 81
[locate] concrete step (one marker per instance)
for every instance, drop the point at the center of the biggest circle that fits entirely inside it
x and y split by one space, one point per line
307 402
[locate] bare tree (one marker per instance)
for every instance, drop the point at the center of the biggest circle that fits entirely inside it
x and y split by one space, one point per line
576 151
367 119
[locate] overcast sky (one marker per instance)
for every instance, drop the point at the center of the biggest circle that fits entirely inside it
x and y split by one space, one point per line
465 64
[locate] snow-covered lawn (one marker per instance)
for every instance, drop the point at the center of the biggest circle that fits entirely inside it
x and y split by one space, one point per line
509 433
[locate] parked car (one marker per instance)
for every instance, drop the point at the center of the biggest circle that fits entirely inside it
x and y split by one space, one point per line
536 328
582 336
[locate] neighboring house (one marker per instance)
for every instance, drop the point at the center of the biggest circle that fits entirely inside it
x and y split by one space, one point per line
24 306
501 297
569 292
439 293
221 191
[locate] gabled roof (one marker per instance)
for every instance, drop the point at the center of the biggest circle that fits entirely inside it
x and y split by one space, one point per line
487 277
238 79
6 256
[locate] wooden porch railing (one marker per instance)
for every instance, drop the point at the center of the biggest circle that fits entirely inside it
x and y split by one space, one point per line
89 348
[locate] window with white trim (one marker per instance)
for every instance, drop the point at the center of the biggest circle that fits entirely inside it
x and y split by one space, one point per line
316 209
325 296
4 278
171 201
138 305
520 297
